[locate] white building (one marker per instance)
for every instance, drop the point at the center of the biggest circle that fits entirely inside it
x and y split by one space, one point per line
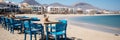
57 9
91 11
107 12
36 8
8 7
79 11
71 10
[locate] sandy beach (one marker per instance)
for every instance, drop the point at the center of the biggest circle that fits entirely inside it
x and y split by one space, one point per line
74 32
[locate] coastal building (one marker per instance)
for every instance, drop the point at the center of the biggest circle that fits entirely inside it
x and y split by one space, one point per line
107 12
91 11
24 8
8 7
57 10
33 6
45 6
36 8
116 12
23 5
71 10
79 11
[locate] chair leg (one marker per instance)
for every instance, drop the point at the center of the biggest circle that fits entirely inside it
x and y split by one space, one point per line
8 28
65 37
30 36
58 37
13 30
2 24
42 35
20 29
5 26
25 36
35 36
55 37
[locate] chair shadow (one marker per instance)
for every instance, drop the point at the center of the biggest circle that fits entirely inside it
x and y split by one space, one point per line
72 38
18 29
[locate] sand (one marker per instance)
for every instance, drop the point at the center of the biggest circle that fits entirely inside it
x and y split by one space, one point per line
73 31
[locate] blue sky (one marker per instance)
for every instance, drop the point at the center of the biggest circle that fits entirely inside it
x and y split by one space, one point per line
103 4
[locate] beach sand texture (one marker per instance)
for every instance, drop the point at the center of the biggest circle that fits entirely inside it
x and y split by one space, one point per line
73 31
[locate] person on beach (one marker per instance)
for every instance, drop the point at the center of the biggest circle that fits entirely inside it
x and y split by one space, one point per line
46 18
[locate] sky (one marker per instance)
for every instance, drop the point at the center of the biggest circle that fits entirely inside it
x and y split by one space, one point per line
103 4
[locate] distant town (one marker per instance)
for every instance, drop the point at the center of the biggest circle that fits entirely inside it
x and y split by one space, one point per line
31 6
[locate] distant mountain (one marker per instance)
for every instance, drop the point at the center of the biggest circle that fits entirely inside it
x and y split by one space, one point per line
31 2
44 4
84 6
57 4
61 5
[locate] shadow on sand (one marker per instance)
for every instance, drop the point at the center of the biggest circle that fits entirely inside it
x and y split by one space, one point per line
72 38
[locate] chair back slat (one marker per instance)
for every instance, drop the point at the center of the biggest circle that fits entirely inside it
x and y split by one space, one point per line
35 19
27 25
6 19
61 26
11 20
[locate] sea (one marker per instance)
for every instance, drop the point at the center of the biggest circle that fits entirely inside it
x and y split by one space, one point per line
110 23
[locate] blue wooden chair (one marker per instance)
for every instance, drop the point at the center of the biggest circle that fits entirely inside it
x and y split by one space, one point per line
3 21
6 22
59 30
14 24
0 19
8 26
29 28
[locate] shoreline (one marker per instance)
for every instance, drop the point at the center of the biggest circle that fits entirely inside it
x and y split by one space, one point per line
97 27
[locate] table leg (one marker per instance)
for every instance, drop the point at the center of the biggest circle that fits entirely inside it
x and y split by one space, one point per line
46 25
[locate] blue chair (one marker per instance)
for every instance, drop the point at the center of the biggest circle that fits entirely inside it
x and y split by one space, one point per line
14 24
59 30
29 28
8 26
6 22
3 21
0 19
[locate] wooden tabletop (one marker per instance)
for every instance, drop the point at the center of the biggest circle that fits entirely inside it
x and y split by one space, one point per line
47 22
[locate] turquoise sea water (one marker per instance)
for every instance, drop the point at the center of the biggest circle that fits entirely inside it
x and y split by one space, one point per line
109 20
